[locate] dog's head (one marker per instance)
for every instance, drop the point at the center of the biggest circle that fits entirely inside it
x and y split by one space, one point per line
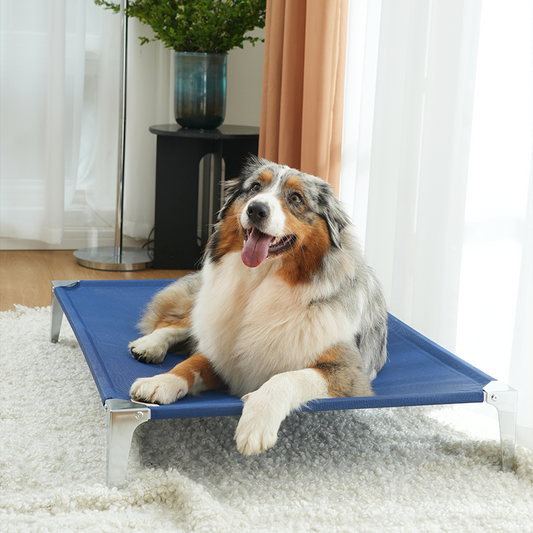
278 212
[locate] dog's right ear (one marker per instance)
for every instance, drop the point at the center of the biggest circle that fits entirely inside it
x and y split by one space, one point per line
232 190
235 187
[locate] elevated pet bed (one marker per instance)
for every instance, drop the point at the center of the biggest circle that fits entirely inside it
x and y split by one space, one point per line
104 314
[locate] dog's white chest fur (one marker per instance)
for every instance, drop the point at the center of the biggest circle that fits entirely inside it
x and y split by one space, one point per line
252 326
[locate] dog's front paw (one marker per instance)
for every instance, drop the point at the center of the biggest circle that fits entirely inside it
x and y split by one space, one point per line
162 389
151 348
259 424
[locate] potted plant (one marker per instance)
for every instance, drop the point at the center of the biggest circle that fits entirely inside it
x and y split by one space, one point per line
201 33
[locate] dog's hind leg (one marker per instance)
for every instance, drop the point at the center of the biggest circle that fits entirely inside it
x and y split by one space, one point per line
191 376
153 347
338 372
166 321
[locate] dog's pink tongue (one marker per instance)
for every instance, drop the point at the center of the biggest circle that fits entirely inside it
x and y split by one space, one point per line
255 249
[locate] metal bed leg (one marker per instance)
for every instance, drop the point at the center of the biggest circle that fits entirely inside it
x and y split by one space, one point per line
122 419
505 399
57 310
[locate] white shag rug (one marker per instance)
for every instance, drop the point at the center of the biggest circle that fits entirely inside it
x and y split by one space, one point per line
397 470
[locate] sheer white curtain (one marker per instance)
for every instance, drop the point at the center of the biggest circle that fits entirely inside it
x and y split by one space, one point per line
436 166
59 107
42 70
149 102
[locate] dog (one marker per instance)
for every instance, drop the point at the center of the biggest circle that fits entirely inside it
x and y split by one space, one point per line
284 311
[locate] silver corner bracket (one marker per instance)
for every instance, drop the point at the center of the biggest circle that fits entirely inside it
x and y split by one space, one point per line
505 400
122 419
56 310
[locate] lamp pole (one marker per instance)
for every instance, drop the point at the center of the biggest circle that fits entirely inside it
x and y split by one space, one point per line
118 257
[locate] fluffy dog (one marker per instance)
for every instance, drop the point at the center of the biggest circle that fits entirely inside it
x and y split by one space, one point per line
284 311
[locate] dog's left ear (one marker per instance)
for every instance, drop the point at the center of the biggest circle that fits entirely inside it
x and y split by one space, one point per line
331 210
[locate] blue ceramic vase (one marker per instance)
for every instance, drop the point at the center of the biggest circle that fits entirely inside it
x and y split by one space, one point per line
200 89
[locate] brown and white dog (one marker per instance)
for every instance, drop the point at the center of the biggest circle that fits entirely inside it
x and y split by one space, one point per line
284 311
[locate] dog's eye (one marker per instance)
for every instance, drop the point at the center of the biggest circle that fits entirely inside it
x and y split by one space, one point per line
295 198
256 187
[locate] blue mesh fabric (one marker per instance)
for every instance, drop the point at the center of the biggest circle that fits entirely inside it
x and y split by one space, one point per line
104 314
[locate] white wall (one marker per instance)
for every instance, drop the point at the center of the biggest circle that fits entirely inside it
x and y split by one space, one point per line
245 80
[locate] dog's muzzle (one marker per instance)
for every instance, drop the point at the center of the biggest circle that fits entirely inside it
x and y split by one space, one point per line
262 238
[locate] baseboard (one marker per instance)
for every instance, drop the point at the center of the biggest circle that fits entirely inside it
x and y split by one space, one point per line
74 238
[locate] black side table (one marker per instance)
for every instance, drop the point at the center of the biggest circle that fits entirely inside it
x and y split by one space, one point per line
182 214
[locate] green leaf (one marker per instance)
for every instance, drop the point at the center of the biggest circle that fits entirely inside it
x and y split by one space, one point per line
197 25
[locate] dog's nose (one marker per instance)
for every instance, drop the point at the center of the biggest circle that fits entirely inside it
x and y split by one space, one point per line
257 212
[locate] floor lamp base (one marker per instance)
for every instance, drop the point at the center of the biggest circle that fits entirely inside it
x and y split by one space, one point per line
109 258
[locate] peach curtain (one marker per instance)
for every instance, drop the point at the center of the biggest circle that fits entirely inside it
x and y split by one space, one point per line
303 85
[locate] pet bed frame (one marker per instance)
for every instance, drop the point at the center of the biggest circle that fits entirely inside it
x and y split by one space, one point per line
104 314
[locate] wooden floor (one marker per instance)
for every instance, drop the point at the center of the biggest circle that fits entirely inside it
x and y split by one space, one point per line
26 276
